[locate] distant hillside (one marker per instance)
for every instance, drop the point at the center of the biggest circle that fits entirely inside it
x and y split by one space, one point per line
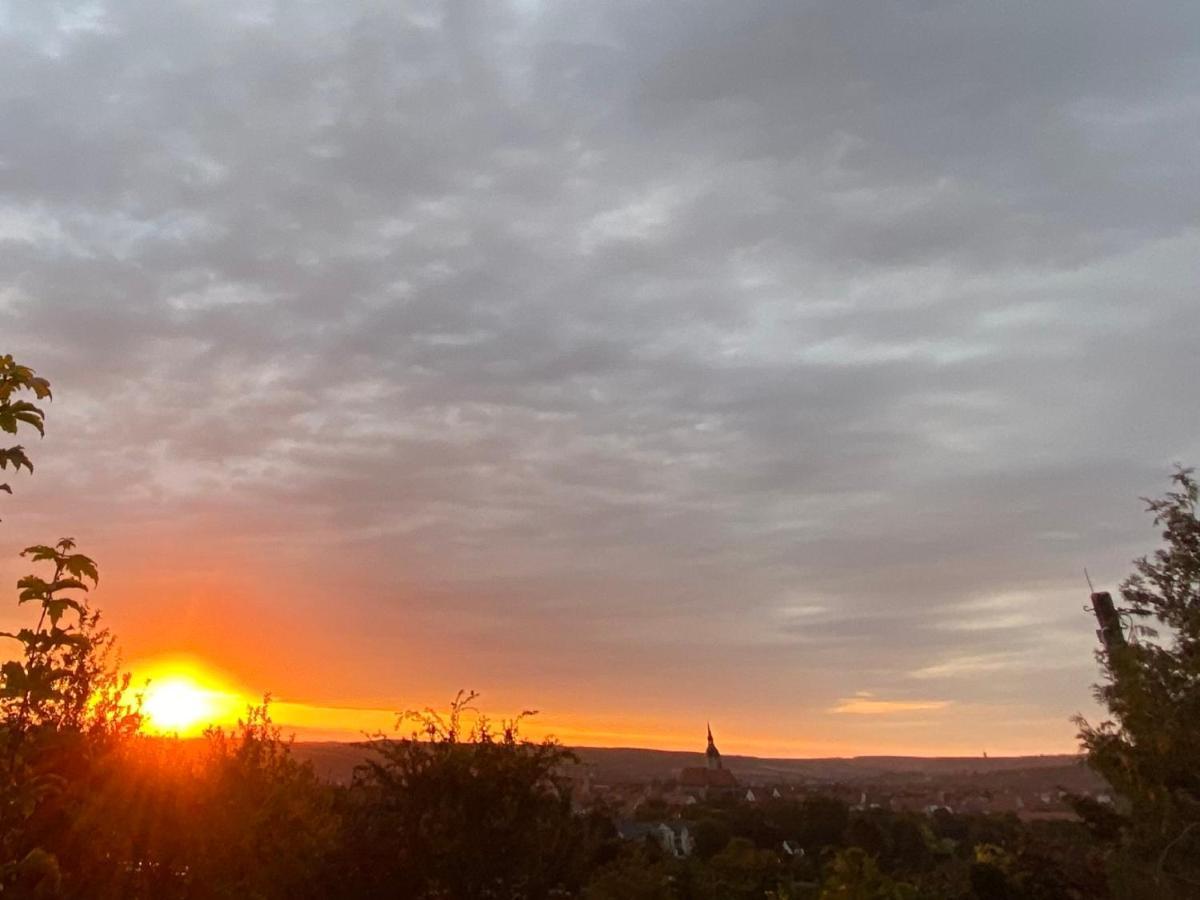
616 765
336 761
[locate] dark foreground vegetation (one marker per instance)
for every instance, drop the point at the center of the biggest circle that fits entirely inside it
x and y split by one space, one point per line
460 808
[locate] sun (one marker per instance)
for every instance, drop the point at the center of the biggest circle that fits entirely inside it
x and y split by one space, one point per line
183 697
177 704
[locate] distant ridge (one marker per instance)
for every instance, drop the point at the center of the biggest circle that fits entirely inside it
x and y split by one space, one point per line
335 761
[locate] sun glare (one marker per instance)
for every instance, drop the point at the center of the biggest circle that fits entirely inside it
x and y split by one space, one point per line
182 699
177 704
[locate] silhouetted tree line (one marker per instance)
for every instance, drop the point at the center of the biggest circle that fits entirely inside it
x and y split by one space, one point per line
460 808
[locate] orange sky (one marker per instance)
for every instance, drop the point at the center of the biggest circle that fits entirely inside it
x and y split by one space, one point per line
249 621
863 725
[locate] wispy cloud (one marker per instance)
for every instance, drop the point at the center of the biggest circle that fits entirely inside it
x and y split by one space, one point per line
968 665
865 706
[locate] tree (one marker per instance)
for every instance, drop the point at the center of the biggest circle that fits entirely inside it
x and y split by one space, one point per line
823 823
61 708
63 705
853 875
866 834
1148 751
268 822
741 871
632 876
710 836
909 846
462 810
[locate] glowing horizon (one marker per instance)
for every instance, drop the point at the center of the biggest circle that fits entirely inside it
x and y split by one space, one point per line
191 695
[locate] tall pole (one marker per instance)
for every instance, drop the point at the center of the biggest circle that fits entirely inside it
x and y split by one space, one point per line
1110 632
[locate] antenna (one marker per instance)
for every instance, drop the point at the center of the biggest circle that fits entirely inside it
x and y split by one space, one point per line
1088 578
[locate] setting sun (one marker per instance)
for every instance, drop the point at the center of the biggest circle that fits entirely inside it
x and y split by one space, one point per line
183 697
177 704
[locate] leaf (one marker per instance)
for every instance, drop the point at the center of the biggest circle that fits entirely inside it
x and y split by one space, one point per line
30 415
40 552
82 567
25 635
32 588
67 584
15 456
41 388
59 605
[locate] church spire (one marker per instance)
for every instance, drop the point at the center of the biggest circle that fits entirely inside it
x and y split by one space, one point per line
712 754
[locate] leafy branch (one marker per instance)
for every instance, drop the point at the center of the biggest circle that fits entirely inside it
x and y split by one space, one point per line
37 678
15 411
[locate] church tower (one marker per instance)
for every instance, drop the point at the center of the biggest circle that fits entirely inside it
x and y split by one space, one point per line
711 780
712 754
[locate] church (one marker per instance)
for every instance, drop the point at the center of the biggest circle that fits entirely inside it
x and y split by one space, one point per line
710 781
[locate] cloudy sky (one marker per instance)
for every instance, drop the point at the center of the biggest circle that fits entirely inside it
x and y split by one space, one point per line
779 364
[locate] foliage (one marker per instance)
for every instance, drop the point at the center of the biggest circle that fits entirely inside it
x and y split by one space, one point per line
62 708
710 836
742 870
258 803
230 815
1148 751
852 874
634 876
15 411
462 810
824 821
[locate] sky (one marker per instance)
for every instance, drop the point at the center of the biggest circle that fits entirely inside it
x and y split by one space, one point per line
644 364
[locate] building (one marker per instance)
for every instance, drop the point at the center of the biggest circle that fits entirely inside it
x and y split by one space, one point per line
673 837
711 780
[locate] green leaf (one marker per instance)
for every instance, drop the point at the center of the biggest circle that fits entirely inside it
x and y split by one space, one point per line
30 415
32 588
15 457
40 387
82 567
40 552
59 605
67 584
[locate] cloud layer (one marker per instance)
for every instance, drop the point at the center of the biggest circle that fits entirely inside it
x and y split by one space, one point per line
675 361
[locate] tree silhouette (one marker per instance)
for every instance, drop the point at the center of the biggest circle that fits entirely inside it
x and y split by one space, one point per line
1149 749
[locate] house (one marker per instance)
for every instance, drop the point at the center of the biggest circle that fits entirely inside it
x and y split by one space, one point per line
673 837
676 798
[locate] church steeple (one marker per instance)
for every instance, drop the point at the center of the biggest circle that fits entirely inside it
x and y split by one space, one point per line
711 753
